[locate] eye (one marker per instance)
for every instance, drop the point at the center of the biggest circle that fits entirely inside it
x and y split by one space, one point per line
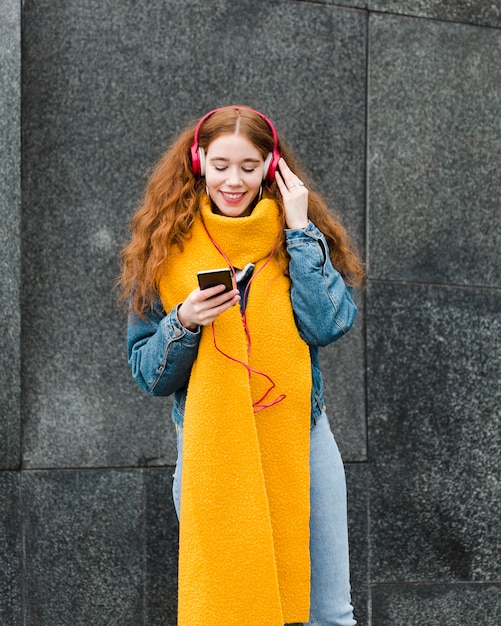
248 170
219 168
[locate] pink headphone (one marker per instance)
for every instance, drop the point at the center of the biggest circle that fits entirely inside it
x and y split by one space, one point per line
198 153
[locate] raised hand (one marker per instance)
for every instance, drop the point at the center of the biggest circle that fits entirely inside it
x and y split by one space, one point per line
295 196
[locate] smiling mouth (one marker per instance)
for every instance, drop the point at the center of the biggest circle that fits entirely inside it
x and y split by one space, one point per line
233 196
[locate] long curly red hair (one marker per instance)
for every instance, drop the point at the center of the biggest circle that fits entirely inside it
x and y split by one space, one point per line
171 203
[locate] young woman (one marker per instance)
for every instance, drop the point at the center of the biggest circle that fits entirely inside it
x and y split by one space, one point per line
259 484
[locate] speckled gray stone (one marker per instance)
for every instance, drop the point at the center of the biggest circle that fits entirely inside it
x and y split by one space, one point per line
357 483
161 549
343 374
470 11
10 241
106 86
450 605
84 538
434 151
10 550
434 433
100 546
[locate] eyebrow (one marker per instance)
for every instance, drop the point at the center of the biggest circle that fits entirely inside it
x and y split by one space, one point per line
250 160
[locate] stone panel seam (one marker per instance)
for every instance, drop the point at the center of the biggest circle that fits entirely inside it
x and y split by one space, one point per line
93 468
417 283
144 526
329 5
430 18
366 239
434 583
394 13
369 548
24 517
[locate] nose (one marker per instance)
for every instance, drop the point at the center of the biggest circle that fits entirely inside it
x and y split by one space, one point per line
234 179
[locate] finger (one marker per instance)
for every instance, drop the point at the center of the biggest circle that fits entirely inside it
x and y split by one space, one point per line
218 300
201 295
280 182
285 173
222 297
291 182
286 186
284 168
210 292
209 315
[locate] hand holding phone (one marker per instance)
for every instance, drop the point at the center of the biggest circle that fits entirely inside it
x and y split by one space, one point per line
201 307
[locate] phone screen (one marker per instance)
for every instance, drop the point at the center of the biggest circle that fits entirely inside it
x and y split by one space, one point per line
211 278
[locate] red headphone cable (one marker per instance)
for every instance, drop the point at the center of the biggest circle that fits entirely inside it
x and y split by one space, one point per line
258 404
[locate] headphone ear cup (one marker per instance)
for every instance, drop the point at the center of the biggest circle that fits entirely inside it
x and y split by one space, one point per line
195 160
266 165
201 161
271 166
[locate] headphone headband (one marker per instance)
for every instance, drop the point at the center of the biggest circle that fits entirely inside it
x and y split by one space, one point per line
198 153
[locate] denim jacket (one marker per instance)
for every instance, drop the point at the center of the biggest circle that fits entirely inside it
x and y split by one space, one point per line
161 351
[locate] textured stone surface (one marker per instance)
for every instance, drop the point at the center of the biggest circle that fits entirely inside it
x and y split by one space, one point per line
344 388
95 540
161 549
434 433
99 106
422 605
471 11
83 547
10 202
434 151
10 550
105 87
357 482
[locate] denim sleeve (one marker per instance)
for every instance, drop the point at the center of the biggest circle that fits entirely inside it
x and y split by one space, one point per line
322 303
160 351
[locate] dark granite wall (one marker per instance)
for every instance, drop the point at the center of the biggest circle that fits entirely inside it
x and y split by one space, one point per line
393 108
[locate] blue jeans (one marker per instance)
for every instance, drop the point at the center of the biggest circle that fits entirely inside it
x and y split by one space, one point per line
330 603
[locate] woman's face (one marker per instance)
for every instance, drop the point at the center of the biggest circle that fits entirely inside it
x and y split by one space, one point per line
233 174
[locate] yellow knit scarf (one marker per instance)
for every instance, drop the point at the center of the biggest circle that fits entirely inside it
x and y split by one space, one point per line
244 533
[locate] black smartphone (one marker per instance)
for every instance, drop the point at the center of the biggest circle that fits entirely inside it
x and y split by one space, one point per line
211 278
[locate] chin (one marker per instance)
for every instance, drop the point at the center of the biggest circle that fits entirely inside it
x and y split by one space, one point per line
233 212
